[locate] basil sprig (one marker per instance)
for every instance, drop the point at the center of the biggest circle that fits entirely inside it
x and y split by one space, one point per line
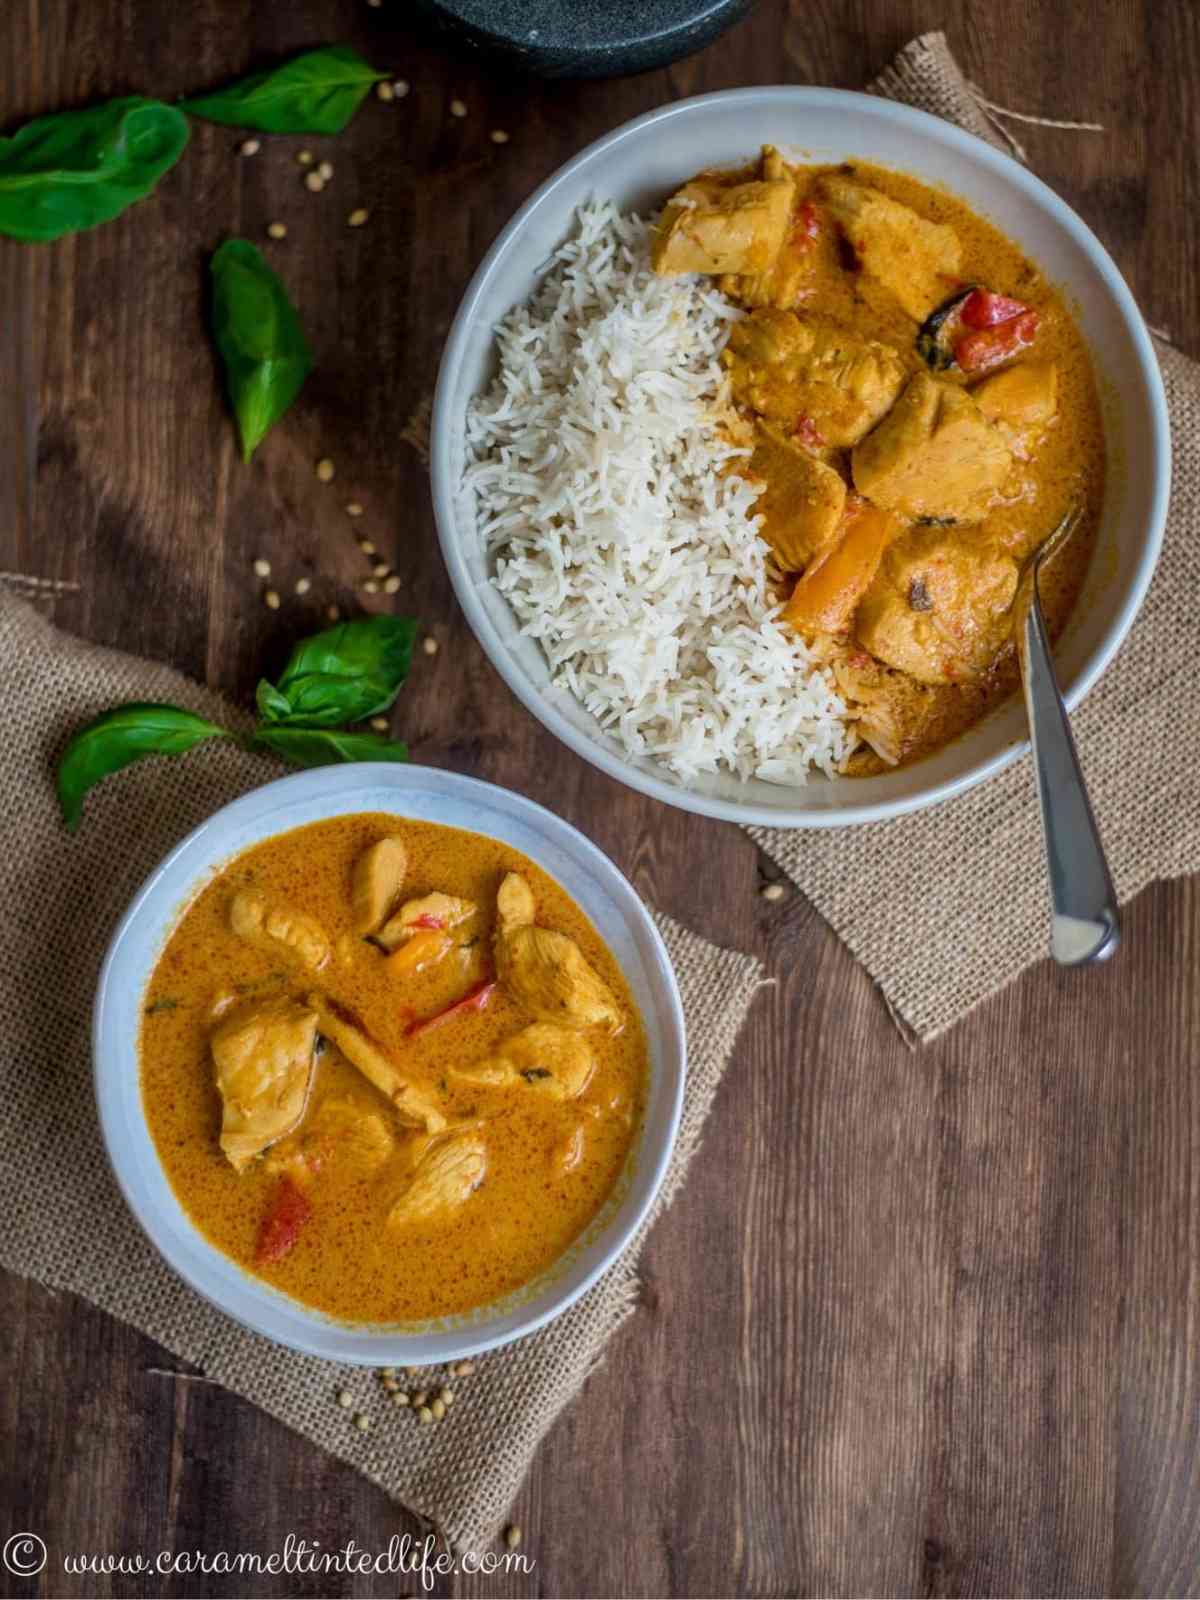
259 336
346 674
76 169
317 92
359 668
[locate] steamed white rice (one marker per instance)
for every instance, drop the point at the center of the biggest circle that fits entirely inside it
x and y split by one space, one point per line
594 464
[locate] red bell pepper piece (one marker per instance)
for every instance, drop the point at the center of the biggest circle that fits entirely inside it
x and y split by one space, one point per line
289 1210
808 433
978 351
475 1001
982 309
807 226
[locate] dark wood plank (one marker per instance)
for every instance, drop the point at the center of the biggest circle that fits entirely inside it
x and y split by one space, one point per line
923 1322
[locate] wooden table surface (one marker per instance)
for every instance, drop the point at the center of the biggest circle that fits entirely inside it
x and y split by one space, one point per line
921 1322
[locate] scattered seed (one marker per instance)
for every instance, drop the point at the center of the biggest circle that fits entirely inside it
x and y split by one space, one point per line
353 509
357 217
370 587
314 181
362 1422
304 157
400 1398
424 1414
430 646
400 88
380 724
325 168
380 569
457 108
412 1369
499 136
446 1396
463 1369
368 549
390 1386
419 1397
276 230
272 599
333 613
250 147
439 1409
512 1536
391 585
325 470
345 1399
262 568
384 91
773 891
303 585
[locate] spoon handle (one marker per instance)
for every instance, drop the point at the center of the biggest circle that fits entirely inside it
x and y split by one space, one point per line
1086 925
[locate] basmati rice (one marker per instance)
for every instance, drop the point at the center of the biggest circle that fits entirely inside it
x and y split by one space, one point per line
597 477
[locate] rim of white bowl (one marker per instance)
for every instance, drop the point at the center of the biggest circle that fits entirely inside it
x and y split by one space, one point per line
445 488
381 1344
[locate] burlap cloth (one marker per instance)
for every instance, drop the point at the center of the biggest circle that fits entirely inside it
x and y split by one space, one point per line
976 914
953 934
66 1224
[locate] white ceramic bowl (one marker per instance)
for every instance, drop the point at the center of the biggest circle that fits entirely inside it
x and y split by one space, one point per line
638 166
429 795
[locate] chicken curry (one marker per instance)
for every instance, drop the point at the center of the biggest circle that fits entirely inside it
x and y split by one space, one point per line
390 1067
919 408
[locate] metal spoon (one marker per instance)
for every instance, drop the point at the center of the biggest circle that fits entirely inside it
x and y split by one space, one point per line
1086 923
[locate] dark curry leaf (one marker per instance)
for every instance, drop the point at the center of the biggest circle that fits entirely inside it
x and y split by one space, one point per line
259 336
75 169
317 92
345 674
122 736
321 747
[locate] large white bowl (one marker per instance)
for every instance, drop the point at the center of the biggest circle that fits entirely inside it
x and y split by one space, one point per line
428 795
638 166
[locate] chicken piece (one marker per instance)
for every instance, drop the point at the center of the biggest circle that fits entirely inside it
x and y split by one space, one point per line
934 455
939 608
715 227
515 905
545 972
278 929
1021 402
782 283
337 1128
376 883
915 260
787 368
825 598
430 911
264 1058
414 1104
558 1062
802 503
445 1175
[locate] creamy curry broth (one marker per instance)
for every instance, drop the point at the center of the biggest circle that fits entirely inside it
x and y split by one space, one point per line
824 281
550 1163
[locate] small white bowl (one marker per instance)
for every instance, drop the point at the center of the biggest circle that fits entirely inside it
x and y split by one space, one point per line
638 166
419 793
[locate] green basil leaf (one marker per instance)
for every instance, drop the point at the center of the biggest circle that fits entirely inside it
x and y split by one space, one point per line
76 169
119 737
261 341
345 674
317 92
320 747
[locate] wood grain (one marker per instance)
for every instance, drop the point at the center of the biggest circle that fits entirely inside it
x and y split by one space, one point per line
923 1322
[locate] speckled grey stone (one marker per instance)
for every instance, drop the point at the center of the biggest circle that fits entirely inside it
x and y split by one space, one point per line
585 38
